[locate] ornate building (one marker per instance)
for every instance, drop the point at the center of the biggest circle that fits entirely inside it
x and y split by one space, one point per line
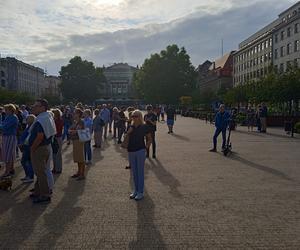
119 82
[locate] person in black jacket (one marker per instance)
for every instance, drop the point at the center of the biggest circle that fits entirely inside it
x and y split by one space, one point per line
151 119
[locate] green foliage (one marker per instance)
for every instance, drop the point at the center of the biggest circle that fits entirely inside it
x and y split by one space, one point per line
81 81
52 99
297 127
7 96
165 77
275 89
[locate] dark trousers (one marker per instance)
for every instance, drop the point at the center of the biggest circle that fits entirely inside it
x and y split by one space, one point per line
153 144
217 132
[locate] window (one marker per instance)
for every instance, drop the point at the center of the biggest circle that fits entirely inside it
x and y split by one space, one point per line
282 51
297 46
296 63
3 84
276 38
267 44
288 49
296 28
288 31
282 35
276 68
2 74
255 49
270 42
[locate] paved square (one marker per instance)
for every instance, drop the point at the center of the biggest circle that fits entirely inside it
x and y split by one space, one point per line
194 199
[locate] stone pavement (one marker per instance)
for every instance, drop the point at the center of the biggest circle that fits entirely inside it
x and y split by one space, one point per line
193 200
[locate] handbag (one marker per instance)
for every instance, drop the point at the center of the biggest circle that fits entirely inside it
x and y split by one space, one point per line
125 142
84 135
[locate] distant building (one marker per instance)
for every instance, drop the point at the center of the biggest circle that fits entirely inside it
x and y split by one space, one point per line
277 44
52 86
203 71
286 36
218 75
254 57
21 77
119 82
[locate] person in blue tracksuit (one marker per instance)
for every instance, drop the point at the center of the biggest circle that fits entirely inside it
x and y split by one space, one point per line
221 123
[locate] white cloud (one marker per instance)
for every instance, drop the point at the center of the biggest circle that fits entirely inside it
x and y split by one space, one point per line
49 32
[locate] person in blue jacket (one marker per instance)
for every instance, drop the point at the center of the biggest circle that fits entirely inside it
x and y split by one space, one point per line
221 123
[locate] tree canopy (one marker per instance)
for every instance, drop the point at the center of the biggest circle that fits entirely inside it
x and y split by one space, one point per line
165 77
81 80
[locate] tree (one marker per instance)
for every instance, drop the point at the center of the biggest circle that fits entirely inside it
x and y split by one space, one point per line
165 77
81 80
7 96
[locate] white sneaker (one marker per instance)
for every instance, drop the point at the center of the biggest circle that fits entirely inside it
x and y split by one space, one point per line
133 195
139 196
28 180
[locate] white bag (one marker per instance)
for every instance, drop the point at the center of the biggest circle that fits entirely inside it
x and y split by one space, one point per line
84 135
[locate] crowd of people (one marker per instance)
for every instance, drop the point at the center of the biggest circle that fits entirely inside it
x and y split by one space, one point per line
39 132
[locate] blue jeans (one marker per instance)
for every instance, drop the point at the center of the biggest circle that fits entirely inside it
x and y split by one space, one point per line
66 132
26 163
87 151
137 163
217 132
28 169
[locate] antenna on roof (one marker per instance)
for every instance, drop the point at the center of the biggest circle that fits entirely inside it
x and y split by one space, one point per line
222 47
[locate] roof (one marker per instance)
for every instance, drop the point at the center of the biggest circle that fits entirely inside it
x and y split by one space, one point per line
220 62
120 65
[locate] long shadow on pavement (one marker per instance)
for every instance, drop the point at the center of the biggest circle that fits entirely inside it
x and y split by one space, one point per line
20 224
64 213
264 135
166 178
180 137
261 167
148 236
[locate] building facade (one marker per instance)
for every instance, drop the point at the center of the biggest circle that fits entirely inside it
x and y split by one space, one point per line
254 57
21 77
119 81
286 38
52 86
218 75
276 45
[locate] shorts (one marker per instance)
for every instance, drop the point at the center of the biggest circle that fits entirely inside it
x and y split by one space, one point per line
170 122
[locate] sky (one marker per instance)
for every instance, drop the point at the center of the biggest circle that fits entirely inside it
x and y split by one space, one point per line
48 33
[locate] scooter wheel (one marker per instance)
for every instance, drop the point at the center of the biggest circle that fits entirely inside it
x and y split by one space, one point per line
226 151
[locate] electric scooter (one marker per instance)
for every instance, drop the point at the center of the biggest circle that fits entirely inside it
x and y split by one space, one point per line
228 147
